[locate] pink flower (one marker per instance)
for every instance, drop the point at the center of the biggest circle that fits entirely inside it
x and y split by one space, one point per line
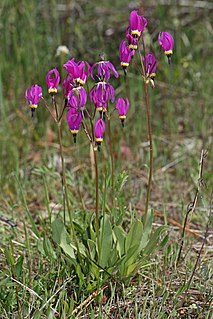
78 71
166 42
33 96
52 81
103 70
99 132
122 108
125 55
74 119
137 24
77 98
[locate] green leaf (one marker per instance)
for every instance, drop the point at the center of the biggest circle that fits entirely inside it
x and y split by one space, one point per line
61 237
119 237
48 248
9 257
18 266
134 235
154 240
106 241
91 248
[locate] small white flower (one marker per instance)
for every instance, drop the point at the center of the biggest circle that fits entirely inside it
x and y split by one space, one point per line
62 49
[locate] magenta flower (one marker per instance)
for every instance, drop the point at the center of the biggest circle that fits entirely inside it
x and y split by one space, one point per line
137 24
133 43
125 55
67 86
103 70
77 98
52 81
166 42
151 65
101 94
122 108
99 132
33 96
78 71
100 100
74 119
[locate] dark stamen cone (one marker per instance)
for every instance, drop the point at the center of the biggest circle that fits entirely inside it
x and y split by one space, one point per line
99 146
169 58
74 138
125 70
32 112
122 122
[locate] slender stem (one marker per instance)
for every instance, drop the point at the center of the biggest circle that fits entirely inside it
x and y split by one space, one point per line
56 107
64 182
96 197
62 112
112 162
150 150
192 206
47 107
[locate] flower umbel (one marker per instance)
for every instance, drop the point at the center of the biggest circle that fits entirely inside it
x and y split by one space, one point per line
99 132
52 81
166 42
122 107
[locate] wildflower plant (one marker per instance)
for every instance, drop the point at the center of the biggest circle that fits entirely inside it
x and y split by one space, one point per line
101 243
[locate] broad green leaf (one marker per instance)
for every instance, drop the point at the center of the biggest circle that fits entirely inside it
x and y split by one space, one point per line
120 236
61 237
134 235
106 241
129 258
91 248
154 240
147 230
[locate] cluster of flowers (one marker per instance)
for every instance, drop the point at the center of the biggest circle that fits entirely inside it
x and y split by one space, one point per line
103 92
76 96
129 46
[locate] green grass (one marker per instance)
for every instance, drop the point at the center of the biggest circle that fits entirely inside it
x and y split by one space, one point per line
37 278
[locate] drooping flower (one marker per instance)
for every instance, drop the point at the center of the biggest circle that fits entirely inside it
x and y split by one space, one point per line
101 94
99 98
67 86
133 42
52 81
99 132
78 71
103 71
151 65
125 55
137 24
166 42
77 98
74 119
122 107
33 96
